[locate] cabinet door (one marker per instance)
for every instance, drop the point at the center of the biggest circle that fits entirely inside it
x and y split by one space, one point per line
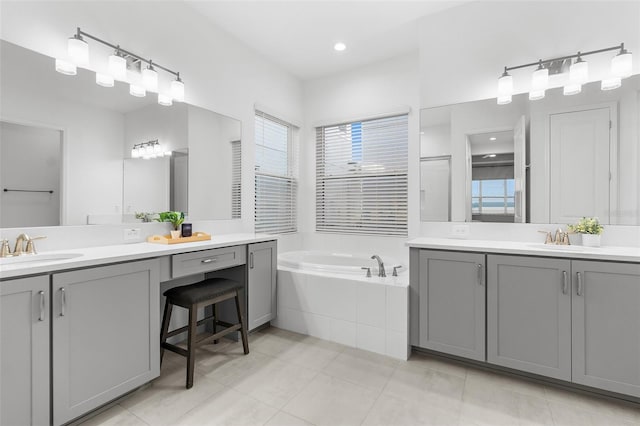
606 326
106 330
529 314
24 351
452 303
263 264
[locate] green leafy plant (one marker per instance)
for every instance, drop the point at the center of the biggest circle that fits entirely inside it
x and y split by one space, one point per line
587 225
175 218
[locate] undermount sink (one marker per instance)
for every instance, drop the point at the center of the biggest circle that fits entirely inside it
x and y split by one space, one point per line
38 258
558 247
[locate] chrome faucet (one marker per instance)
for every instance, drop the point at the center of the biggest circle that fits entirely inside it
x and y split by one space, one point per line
381 271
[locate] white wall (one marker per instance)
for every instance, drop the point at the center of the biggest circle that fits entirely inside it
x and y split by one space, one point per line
463 50
358 94
220 73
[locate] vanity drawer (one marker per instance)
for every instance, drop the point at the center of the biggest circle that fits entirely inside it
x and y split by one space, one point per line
207 260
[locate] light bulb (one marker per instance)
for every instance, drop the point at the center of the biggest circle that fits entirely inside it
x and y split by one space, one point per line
150 79
137 91
540 79
177 90
65 67
165 100
505 85
78 50
611 83
579 72
622 64
104 80
572 89
503 100
535 95
118 67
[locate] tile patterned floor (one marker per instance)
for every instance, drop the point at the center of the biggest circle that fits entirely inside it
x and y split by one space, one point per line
290 379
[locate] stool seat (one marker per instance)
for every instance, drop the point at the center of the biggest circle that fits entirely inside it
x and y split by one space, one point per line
188 295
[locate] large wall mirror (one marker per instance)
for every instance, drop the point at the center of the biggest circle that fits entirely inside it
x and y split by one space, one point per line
547 161
66 150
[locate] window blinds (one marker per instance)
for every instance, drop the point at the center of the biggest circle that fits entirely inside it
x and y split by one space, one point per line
275 202
236 180
361 177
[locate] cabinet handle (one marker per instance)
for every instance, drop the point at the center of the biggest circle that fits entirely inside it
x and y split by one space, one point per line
579 290
250 260
565 282
41 317
209 260
479 274
63 301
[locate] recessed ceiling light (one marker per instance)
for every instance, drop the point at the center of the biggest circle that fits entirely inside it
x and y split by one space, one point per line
492 138
339 46
489 156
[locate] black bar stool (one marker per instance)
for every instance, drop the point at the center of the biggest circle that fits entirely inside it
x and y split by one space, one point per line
194 296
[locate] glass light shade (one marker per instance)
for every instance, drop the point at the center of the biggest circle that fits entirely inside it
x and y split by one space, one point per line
505 85
622 65
157 148
579 72
165 100
137 91
540 80
135 153
118 67
572 89
65 67
535 95
503 100
150 79
611 83
148 150
78 50
104 80
177 90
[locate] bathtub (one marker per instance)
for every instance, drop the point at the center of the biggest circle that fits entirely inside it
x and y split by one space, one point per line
328 295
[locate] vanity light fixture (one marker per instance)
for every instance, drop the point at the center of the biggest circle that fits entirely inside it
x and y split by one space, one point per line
119 62
621 67
149 150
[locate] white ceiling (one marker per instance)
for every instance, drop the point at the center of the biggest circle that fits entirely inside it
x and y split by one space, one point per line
299 35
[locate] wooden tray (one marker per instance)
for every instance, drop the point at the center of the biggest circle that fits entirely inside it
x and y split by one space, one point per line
166 239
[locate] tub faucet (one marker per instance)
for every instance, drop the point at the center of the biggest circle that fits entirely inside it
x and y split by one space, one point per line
381 271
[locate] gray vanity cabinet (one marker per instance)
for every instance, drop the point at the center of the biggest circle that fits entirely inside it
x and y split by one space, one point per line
452 303
261 283
105 331
606 326
529 314
24 351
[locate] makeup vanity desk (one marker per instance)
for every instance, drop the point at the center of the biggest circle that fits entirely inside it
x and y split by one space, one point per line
81 327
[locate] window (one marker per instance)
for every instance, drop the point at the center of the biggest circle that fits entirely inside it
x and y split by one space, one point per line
275 203
361 177
493 197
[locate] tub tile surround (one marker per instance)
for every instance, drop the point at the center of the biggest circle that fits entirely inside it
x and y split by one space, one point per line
364 313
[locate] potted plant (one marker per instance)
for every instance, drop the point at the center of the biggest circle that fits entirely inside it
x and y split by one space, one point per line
590 228
175 218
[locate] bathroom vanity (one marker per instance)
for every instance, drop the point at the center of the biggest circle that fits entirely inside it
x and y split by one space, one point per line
562 312
82 331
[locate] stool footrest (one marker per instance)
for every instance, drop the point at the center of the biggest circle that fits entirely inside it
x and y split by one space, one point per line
200 322
174 348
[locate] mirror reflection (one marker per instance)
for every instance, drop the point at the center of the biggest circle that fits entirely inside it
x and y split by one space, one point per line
73 139
548 161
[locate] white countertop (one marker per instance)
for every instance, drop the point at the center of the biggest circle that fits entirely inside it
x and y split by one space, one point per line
94 256
621 254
